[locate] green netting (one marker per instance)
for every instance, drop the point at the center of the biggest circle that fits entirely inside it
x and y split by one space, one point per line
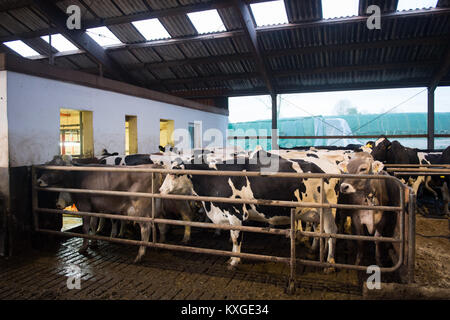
357 124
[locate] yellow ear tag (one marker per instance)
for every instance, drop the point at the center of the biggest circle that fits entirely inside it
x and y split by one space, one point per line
369 145
442 177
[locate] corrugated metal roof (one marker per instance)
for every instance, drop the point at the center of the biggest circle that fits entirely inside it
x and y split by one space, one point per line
146 55
24 18
105 8
126 33
178 26
303 10
131 6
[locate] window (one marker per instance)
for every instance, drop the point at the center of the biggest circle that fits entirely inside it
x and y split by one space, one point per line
415 4
191 134
151 29
76 133
131 146
269 13
21 48
103 36
207 21
60 43
342 8
196 134
166 129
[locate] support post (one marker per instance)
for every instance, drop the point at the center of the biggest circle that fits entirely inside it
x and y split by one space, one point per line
153 210
411 236
291 282
430 117
321 227
274 123
34 199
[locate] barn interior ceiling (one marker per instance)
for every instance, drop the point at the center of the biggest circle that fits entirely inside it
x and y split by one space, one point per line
164 46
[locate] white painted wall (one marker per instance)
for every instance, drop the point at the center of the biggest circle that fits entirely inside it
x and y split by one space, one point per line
33 118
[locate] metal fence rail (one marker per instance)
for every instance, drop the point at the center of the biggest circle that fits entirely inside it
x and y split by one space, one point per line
401 238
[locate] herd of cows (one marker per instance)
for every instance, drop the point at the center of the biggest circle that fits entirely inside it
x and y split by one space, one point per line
357 160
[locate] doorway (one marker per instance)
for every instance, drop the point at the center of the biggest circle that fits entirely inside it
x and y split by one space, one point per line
131 145
166 129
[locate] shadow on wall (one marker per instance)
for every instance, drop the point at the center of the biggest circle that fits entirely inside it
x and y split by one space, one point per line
20 220
3 231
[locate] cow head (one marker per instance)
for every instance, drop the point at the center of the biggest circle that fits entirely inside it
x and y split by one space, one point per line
380 149
64 200
177 184
359 165
49 178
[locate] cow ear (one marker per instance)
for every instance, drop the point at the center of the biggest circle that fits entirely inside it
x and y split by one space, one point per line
377 166
343 166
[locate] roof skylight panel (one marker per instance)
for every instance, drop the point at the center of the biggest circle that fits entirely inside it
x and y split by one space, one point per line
207 21
342 8
60 43
21 48
103 36
151 29
269 13
416 4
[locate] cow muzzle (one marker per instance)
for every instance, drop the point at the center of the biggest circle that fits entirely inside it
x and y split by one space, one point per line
347 188
41 183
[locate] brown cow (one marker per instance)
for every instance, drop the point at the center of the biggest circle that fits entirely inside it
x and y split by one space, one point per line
376 192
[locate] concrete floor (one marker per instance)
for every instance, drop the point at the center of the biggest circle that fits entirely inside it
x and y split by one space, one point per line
108 273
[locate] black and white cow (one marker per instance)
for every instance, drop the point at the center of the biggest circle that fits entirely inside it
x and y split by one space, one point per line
115 159
260 187
394 153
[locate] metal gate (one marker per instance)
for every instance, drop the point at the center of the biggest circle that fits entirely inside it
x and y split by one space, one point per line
406 211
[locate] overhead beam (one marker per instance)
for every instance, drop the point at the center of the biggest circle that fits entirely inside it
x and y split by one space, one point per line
276 53
442 70
243 12
226 92
81 39
288 73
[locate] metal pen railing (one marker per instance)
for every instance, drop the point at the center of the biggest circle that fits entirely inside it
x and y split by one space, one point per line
291 233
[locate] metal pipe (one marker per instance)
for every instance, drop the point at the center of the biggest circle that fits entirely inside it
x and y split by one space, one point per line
105 168
321 239
415 165
153 210
415 173
173 247
412 237
275 203
347 236
341 137
291 286
273 231
425 170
